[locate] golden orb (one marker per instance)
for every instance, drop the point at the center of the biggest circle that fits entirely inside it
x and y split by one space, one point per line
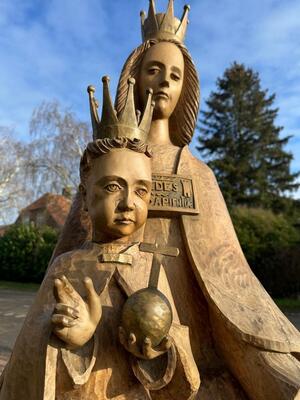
147 313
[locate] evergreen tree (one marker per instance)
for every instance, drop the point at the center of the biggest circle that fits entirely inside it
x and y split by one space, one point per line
241 142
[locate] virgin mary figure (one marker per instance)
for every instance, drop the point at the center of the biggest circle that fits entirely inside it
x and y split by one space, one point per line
243 345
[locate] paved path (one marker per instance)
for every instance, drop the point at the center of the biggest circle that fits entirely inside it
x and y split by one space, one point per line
14 306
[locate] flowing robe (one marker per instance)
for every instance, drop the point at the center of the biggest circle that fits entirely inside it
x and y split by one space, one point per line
41 367
237 333
235 316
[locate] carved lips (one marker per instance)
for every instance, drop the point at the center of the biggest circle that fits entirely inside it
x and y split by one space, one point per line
161 94
124 220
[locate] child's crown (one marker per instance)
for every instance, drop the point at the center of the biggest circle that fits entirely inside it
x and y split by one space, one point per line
129 124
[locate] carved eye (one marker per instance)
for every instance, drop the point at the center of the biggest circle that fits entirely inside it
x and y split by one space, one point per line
112 187
141 192
175 77
153 70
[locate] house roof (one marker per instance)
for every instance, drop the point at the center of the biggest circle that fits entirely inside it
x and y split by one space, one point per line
58 206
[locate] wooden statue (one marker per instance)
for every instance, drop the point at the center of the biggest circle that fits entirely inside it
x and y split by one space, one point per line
101 327
251 336
243 345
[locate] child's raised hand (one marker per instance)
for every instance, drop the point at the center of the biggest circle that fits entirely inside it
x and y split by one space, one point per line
74 319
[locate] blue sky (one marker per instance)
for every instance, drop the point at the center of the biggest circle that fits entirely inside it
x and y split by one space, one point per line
53 49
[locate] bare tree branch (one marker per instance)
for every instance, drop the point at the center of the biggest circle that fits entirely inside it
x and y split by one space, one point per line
48 163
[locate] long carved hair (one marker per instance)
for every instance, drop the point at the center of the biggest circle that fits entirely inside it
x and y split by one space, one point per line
183 120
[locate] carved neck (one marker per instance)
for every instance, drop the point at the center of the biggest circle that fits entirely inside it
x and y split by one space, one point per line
102 239
159 132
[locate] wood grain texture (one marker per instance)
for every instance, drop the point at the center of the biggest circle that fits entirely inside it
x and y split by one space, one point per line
53 370
222 270
263 374
211 281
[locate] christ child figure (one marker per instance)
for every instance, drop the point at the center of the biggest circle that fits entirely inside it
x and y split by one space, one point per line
74 343
97 354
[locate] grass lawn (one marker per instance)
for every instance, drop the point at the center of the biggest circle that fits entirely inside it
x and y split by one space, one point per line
27 287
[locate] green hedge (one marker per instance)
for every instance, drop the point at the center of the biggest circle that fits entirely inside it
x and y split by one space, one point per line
270 242
271 245
25 252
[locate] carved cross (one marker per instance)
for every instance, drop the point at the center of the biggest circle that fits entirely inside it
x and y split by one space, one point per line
158 250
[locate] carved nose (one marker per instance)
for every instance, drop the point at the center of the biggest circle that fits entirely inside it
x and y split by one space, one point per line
127 203
165 78
165 83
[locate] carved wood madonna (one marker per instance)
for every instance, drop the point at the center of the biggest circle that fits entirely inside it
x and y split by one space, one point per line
148 294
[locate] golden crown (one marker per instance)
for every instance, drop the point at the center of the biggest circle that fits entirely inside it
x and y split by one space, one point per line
164 26
129 124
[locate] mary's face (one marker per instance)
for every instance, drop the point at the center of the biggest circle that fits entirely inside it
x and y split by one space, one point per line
162 70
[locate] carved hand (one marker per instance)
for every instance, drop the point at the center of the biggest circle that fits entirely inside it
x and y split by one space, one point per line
148 352
75 320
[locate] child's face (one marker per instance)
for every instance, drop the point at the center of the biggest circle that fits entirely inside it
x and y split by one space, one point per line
118 193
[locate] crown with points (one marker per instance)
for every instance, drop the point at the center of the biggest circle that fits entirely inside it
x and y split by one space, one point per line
164 26
129 124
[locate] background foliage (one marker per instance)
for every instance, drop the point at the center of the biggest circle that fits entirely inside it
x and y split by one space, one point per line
271 244
25 252
242 143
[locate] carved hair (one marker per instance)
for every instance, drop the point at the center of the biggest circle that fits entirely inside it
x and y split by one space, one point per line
103 146
183 120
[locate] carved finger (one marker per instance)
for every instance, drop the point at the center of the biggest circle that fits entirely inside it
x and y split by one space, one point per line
133 347
165 344
131 340
59 290
68 287
66 310
62 320
147 348
93 300
65 293
149 352
129 343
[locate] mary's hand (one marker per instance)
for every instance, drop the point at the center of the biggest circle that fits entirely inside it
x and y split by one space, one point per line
147 352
